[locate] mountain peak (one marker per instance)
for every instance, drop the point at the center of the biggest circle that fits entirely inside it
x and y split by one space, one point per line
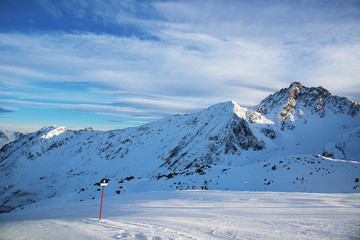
296 85
53 131
7 136
297 99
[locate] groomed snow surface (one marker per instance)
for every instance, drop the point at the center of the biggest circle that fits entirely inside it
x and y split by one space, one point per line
192 215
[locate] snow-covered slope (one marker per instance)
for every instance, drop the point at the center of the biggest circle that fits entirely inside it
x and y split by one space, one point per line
310 118
7 136
283 144
208 215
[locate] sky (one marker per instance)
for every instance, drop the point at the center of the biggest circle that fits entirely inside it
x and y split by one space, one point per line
122 63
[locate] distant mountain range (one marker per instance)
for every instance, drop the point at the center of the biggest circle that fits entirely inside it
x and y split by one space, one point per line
297 139
7 136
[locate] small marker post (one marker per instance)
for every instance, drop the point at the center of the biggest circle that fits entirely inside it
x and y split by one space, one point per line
103 183
245 185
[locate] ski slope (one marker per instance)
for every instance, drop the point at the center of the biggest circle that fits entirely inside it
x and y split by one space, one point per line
192 215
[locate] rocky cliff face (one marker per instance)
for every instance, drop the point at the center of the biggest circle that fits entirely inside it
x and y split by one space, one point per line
296 99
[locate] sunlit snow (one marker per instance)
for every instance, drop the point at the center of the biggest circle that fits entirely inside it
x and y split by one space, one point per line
193 215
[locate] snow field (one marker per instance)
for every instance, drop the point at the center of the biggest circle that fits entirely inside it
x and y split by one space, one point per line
193 215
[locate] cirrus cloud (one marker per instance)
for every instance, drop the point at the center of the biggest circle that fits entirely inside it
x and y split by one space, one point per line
146 60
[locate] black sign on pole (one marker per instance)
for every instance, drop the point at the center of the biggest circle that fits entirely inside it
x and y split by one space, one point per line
104 182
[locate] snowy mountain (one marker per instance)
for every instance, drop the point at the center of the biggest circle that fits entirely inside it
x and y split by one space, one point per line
291 102
313 118
298 139
7 136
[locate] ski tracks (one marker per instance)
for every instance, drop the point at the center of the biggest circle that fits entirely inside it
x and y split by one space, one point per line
139 231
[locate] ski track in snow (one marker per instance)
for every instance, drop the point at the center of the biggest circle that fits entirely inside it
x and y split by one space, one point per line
193 215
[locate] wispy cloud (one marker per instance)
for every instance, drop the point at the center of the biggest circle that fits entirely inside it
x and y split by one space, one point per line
94 108
148 59
3 110
145 67
338 67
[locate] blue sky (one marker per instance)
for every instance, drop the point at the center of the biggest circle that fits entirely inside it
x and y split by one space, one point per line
115 64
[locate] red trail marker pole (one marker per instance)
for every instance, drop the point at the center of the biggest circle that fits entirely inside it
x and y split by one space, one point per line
102 196
103 183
